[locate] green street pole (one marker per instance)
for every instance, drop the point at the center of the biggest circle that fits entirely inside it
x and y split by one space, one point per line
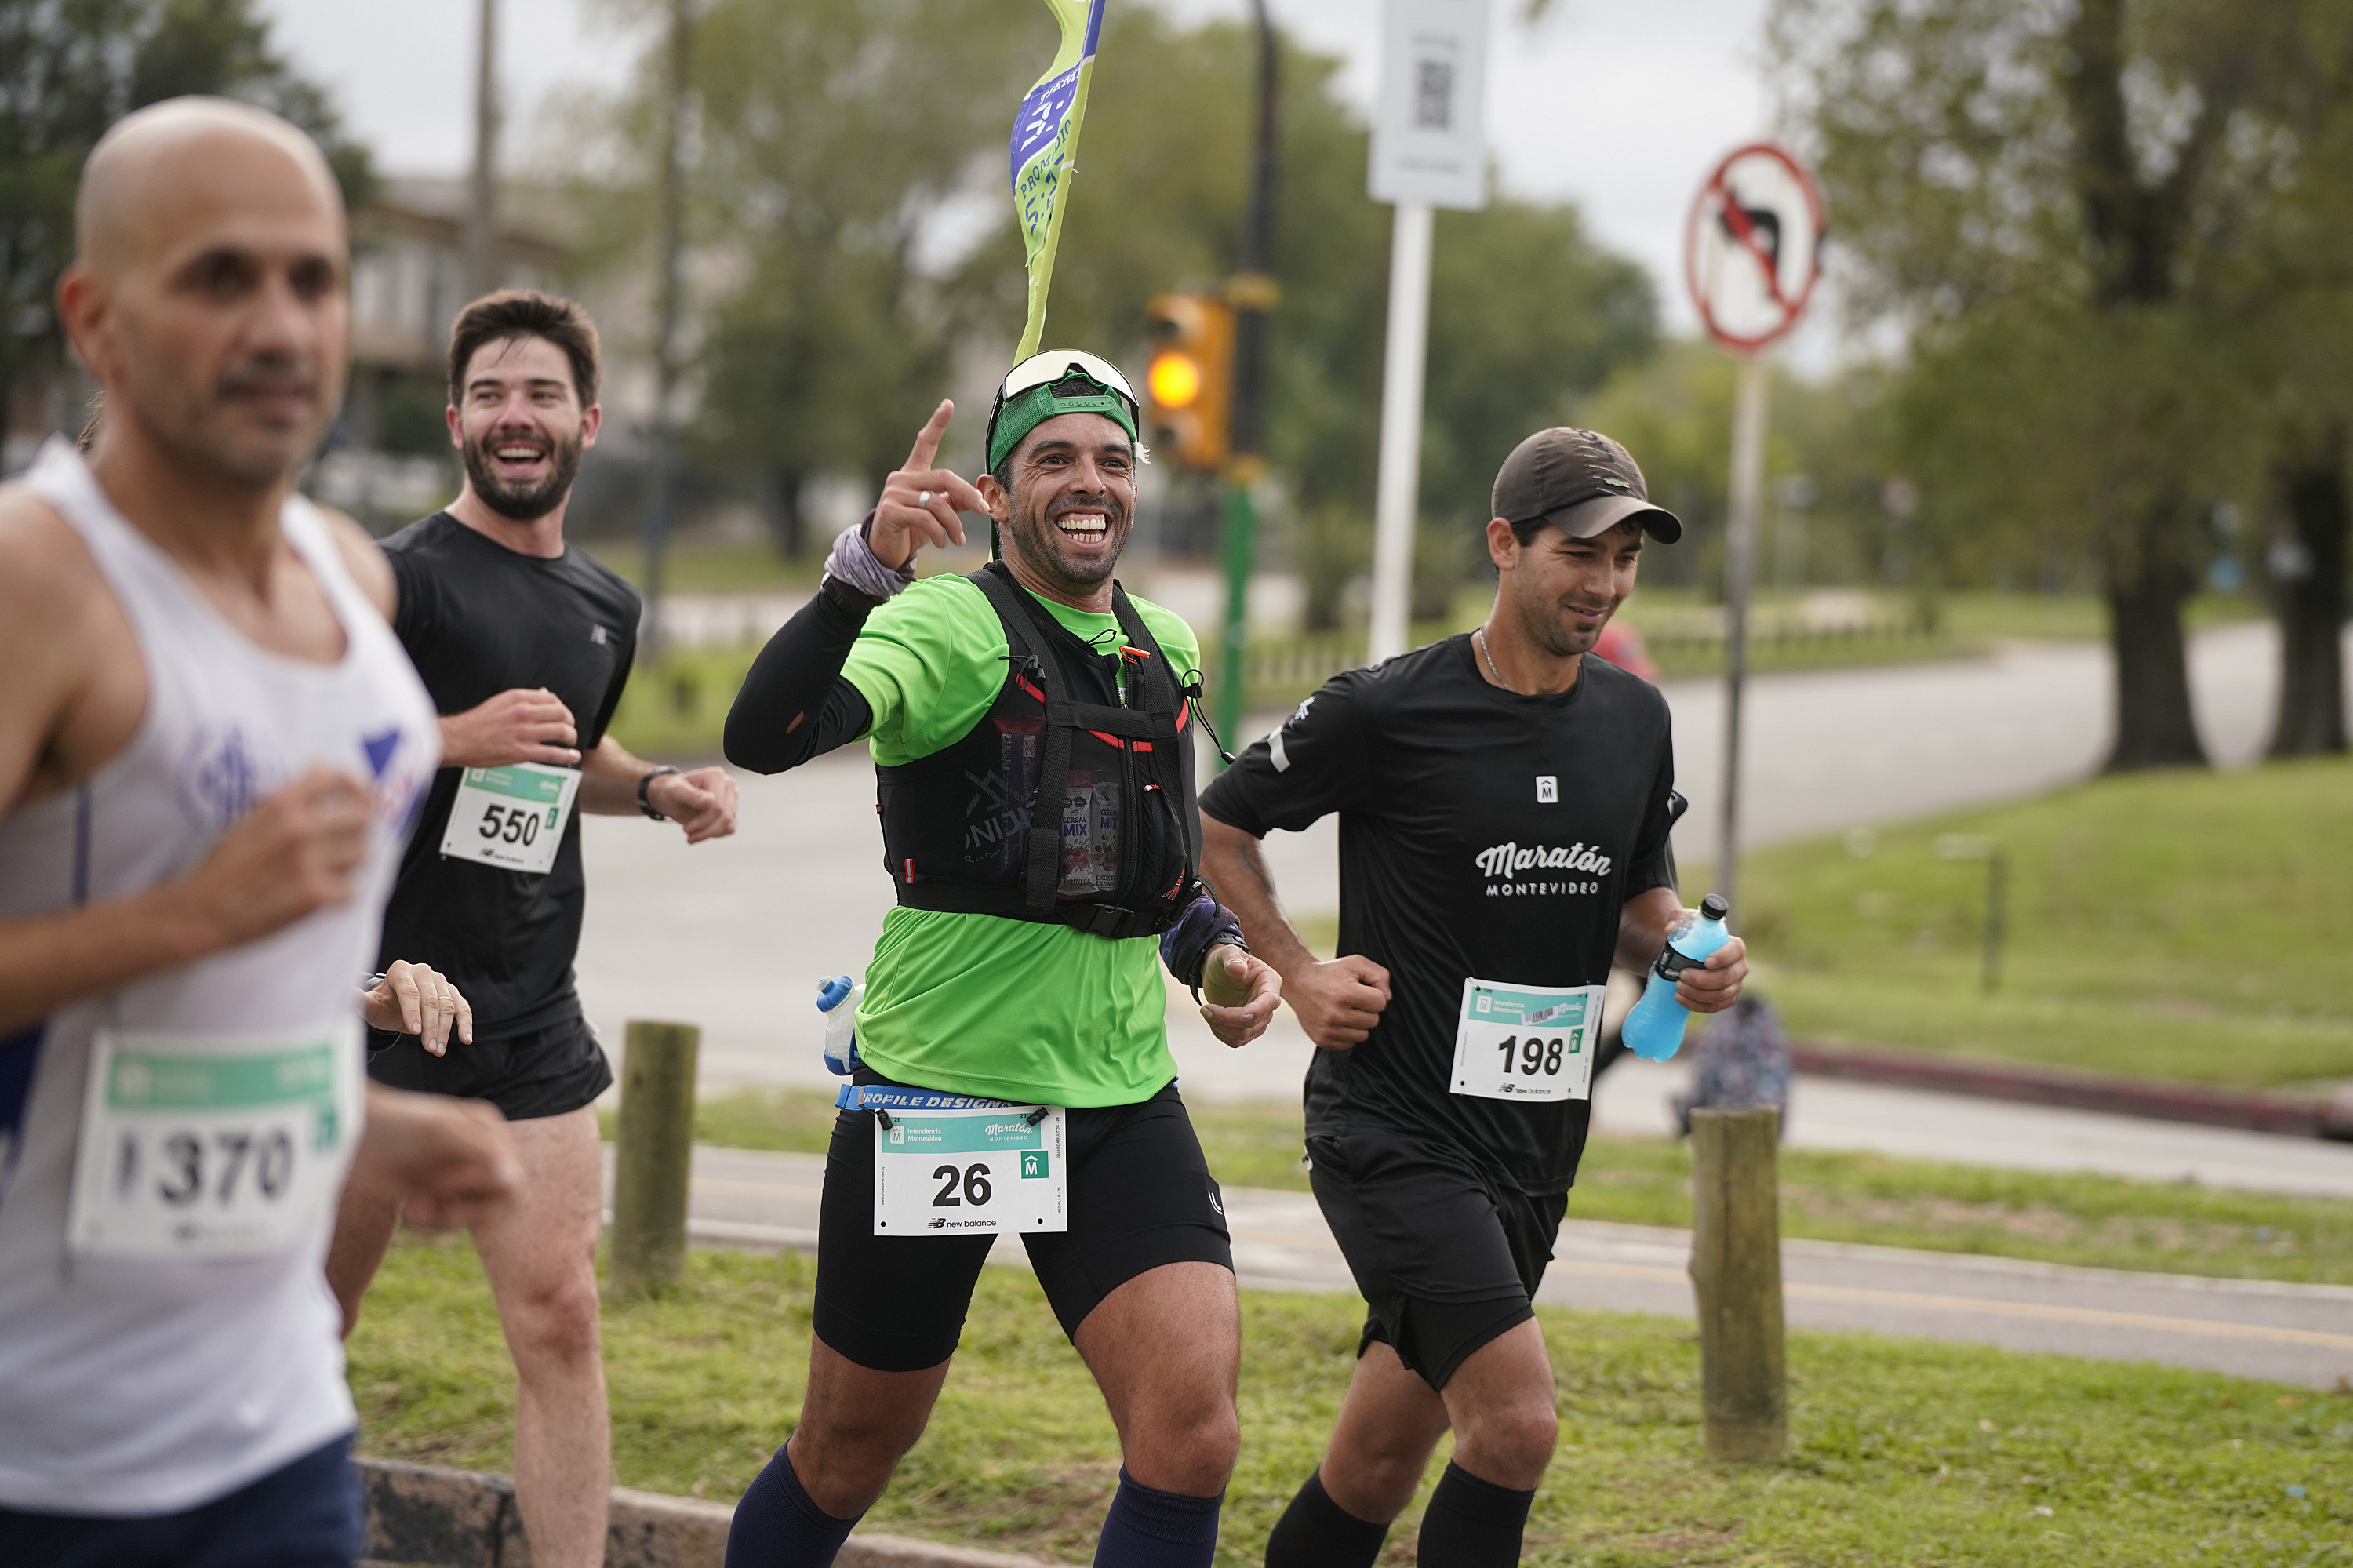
1238 543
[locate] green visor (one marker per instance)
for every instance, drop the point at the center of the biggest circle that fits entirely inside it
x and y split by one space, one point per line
1060 381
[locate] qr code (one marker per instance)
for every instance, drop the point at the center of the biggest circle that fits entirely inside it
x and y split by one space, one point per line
1434 94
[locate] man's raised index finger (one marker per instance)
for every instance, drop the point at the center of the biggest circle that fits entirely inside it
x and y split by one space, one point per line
927 440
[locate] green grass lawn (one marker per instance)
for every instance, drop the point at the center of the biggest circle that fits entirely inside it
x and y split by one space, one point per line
674 710
2101 1221
2180 925
1906 1452
702 565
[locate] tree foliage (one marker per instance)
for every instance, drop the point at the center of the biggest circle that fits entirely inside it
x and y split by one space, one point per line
69 69
1527 312
828 132
832 131
2061 205
1674 412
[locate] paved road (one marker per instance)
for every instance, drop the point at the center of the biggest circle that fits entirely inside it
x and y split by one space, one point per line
2289 1333
733 936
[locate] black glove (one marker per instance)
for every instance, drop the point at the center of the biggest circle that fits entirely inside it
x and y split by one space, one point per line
1185 947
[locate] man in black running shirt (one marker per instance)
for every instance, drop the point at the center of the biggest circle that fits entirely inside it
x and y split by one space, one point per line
1505 804
525 644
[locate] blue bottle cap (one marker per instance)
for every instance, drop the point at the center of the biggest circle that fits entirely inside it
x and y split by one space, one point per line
833 992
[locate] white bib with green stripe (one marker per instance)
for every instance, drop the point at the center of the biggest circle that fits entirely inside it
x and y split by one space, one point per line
206 1146
510 817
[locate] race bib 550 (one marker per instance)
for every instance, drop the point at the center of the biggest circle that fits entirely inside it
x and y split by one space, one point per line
510 817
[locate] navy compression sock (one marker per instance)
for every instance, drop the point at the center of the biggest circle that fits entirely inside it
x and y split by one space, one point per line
1151 1528
777 1525
1471 1523
1316 1532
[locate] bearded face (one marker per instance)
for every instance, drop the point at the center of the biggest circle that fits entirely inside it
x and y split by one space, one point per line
522 472
521 430
1073 502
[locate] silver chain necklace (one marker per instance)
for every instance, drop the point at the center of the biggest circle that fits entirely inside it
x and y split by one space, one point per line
1480 637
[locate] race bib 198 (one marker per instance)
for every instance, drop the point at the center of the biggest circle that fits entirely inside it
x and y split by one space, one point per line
1526 1042
954 1165
511 816
206 1147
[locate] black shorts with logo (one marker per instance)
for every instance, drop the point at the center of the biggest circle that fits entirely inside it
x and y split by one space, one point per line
1141 1196
546 1071
1448 1256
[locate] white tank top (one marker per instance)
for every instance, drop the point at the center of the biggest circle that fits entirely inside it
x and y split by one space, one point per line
131 1383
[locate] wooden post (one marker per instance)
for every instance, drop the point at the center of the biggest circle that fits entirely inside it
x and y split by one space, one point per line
1735 1269
652 1156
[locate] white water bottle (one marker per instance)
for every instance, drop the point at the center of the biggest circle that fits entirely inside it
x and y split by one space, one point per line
839 999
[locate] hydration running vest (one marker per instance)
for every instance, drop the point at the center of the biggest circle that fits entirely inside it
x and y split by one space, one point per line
962 830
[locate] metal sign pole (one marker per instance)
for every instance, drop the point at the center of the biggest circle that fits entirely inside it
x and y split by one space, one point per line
1429 150
1400 462
483 186
1752 255
664 475
1739 573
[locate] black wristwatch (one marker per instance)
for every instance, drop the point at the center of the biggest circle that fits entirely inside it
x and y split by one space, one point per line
647 806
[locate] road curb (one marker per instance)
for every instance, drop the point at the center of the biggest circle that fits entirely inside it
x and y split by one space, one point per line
424 1514
2205 1105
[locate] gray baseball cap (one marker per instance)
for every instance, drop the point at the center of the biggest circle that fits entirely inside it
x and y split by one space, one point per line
1579 481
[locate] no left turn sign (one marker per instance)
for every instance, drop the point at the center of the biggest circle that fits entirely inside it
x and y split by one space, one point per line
1753 251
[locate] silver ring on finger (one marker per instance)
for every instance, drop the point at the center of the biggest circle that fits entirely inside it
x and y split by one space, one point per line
923 498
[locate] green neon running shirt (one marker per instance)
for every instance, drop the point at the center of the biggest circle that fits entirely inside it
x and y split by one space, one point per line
979 1004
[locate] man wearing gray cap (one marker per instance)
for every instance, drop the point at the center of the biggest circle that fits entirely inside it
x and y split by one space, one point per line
1504 803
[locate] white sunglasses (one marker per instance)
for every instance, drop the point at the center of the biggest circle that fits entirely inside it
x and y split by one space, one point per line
1042 369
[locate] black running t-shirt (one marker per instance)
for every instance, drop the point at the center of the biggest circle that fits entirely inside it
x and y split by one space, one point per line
1481 833
478 618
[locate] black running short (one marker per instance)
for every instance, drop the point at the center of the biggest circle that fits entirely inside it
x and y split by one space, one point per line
1448 1256
1141 1196
304 1515
546 1071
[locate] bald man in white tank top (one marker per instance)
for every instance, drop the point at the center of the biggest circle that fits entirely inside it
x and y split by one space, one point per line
210 750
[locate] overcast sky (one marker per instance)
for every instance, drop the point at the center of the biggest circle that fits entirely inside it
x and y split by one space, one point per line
1621 106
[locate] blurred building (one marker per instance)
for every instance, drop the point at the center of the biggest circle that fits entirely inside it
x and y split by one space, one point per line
389 458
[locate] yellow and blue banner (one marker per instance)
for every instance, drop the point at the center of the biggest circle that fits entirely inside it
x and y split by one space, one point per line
1045 149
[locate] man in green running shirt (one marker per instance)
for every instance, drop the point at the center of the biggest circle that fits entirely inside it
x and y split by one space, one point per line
1030 728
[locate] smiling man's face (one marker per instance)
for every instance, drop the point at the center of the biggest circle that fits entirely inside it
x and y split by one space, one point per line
1563 591
1073 500
521 427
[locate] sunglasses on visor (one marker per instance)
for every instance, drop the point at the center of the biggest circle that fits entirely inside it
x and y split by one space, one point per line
1044 369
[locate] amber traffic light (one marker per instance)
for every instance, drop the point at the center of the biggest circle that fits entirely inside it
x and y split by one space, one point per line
1190 382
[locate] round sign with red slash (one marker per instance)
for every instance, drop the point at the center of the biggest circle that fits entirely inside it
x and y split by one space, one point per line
1753 251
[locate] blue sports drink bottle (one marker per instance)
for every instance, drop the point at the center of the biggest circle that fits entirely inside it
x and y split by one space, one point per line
837 998
1655 1029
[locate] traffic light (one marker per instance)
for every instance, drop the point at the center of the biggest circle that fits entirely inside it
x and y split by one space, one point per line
1190 386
